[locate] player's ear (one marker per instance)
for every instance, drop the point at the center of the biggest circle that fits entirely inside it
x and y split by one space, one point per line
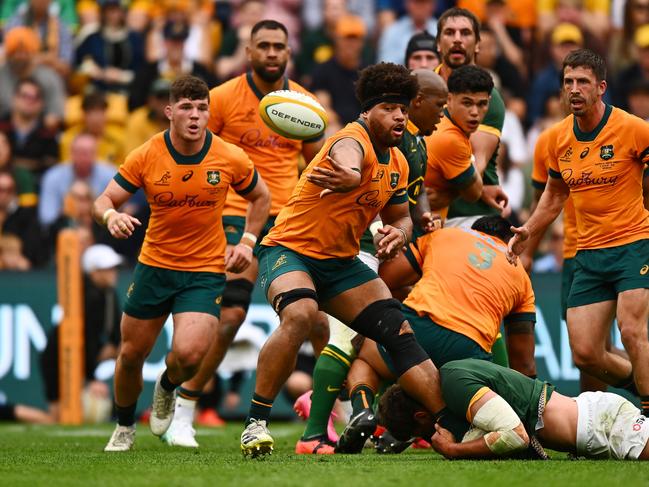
422 415
168 112
602 87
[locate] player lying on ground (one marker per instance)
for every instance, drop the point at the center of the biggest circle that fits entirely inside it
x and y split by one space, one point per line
509 411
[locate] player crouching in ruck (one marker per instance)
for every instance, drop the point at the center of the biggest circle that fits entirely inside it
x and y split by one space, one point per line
510 412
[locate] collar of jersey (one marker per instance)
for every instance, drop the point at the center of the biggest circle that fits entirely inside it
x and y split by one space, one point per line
382 157
256 90
192 159
592 135
412 128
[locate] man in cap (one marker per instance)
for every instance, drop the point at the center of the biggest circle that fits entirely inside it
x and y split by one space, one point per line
422 52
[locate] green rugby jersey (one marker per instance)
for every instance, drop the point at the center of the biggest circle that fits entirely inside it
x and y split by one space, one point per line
462 379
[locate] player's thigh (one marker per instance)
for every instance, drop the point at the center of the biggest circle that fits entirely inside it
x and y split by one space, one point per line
281 270
139 335
590 324
633 314
347 305
370 354
193 331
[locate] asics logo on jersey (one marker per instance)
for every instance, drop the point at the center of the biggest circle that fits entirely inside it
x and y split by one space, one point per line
190 200
644 270
586 179
584 153
188 175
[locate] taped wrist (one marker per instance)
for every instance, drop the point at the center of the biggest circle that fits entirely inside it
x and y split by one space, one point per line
237 292
381 321
499 419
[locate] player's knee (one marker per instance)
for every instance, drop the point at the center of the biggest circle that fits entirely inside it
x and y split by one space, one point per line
189 358
238 294
383 322
131 355
585 355
632 334
298 310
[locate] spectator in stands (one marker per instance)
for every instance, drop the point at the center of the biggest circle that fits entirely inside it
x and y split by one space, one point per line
511 83
110 55
638 71
22 246
21 46
497 15
394 40
25 186
169 67
621 47
232 59
333 81
102 313
314 13
110 138
56 48
552 250
565 39
639 99
421 52
65 9
58 179
76 212
33 146
146 121
591 16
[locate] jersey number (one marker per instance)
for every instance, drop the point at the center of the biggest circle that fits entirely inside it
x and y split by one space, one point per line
485 258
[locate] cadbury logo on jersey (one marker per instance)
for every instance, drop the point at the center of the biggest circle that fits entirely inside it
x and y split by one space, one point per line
253 138
586 179
606 152
167 198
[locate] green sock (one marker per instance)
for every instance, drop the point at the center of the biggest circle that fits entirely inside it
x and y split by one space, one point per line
328 376
362 397
499 352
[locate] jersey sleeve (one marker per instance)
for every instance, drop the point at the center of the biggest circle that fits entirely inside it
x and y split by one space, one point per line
553 165
541 162
244 174
129 175
216 121
417 249
495 118
455 160
524 309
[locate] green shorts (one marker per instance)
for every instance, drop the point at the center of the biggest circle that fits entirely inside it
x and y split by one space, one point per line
601 274
567 276
330 276
156 292
233 227
441 344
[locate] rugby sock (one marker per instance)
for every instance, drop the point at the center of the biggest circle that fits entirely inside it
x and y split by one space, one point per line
186 404
499 352
644 401
259 408
362 397
166 384
328 376
126 415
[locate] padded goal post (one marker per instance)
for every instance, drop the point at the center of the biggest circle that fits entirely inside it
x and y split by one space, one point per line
71 337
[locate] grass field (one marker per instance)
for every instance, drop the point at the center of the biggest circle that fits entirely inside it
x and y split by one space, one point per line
71 456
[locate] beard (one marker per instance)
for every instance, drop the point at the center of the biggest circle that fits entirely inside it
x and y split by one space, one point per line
454 64
384 135
267 76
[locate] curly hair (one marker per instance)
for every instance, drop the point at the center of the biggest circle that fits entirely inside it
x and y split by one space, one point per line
470 79
397 412
188 86
385 79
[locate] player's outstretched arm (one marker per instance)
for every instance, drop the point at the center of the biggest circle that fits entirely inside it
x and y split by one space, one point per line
239 257
483 145
346 159
396 230
120 225
550 205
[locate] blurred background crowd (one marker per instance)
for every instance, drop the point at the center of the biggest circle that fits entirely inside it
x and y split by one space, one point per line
83 82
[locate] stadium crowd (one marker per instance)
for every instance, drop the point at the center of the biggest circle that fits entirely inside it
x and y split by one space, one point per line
84 84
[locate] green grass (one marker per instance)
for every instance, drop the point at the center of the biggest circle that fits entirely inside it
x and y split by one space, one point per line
69 456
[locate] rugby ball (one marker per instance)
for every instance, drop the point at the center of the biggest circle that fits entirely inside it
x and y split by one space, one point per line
293 115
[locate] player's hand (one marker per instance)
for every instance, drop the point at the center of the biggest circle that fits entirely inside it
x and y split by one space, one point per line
442 441
392 241
438 198
495 197
121 225
517 243
238 258
338 179
430 222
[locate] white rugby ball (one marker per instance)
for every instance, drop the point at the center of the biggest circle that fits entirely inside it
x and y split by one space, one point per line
293 115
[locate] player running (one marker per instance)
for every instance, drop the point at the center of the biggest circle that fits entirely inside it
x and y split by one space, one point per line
185 173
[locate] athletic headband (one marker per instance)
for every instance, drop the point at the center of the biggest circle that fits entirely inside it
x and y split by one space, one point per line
385 98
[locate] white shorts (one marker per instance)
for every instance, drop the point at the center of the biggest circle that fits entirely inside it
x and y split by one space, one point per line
340 334
609 426
462 221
